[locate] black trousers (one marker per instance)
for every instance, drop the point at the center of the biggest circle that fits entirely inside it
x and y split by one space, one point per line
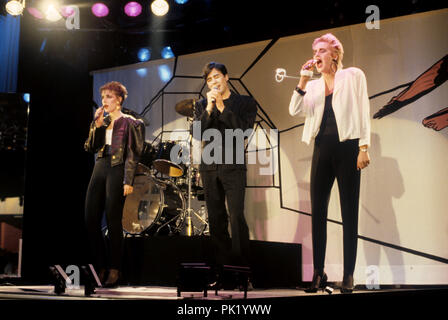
333 159
220 185
105 194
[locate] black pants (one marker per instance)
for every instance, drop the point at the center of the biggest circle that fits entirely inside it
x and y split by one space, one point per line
105 194
333 159
221 185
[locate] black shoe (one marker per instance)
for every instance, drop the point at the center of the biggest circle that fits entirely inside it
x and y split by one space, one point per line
102 275
347 284
250 287
319 282
112 279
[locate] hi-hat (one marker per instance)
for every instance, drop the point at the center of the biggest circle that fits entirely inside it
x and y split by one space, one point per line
185 107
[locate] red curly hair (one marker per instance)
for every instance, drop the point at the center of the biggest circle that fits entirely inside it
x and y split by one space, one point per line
118 88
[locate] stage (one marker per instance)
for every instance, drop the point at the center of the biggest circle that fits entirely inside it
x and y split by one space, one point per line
227 304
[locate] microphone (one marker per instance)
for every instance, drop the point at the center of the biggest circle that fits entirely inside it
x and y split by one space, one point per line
104 113
213 99
309 65
99 114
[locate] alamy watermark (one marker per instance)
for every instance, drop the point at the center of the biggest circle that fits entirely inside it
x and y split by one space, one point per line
372 277
73 19
72 276
228 148
373 20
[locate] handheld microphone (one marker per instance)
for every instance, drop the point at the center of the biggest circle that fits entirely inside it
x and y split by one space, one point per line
310 64
213 99
104 113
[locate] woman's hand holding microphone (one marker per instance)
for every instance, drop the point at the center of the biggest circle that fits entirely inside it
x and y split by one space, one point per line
306 73
99 117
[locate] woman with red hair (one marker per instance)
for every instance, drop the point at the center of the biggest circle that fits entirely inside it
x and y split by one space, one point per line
117 139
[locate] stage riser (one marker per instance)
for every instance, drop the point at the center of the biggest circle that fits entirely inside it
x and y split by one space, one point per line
156 260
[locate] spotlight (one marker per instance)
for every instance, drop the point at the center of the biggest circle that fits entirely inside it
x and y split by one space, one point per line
164 73
35 13
142 72
167 53
100 10
15 8
26 97
133 9
67 11
160 7
52 13
181 1
144 54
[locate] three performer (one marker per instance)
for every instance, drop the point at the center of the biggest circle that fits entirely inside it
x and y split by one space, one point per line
336 107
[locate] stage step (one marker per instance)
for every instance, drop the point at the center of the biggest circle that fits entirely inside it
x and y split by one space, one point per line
156 260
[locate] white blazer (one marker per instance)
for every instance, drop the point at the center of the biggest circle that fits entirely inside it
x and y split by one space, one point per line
350 105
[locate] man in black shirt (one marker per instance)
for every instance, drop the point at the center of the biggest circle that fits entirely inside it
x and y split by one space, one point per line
226 119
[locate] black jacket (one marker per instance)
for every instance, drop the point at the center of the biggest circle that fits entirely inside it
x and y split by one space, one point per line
239 113
128 137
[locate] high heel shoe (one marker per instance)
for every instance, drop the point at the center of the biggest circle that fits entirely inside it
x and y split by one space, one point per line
347 284
112 279
319 282
102 275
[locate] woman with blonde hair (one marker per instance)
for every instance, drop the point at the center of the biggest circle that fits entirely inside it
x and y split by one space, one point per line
336 107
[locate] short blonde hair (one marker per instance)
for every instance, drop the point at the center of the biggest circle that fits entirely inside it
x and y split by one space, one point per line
118 88
334 43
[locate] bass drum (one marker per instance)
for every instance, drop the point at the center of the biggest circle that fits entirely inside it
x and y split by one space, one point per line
155 207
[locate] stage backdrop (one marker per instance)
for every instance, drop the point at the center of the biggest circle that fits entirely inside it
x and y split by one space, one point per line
403 225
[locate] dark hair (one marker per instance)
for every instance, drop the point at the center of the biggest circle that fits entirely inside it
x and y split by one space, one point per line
118 88
213 65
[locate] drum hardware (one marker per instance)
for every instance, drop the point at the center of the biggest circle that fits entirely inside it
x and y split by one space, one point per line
162 197
155 207
186 107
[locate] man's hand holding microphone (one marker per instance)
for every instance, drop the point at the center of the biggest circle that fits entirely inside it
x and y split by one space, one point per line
214 98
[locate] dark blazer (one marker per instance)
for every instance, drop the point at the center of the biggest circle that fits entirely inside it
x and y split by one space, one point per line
239 113
128 136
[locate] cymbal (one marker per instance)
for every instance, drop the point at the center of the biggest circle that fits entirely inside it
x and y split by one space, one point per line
185 107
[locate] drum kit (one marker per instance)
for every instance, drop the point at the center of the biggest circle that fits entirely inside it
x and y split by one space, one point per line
168 197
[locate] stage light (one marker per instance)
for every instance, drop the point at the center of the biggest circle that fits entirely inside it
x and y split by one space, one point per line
181 1
67 11
133 9
52 13
142 72
100 10
167 53
15 8
164 73
35 13
26 97
160 7
144 54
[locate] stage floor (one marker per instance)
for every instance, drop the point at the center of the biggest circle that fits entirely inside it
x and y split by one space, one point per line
268 304
151 293
43 292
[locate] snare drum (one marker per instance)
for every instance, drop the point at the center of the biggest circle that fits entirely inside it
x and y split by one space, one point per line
165 163
154 207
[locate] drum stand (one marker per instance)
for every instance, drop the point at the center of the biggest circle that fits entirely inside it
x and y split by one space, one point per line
189 225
